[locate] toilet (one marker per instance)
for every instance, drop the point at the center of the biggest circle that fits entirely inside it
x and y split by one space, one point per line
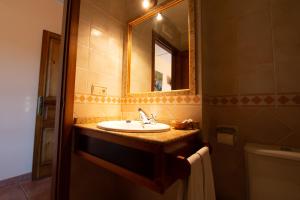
273 172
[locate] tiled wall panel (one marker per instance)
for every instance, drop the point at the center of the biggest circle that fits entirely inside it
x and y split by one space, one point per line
99 57
251 81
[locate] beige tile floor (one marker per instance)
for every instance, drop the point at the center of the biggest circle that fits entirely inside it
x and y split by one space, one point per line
27 190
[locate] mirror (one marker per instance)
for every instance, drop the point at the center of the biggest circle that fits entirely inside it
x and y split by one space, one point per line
161 48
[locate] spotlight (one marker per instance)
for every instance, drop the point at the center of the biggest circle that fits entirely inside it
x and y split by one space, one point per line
146 4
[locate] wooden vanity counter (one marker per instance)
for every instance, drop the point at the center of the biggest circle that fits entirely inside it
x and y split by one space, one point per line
162 138
154 160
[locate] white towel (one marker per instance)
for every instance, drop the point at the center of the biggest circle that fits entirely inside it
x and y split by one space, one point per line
200 185
194 188
208 179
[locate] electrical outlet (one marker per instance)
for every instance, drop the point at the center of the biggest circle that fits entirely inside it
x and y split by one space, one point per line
98 90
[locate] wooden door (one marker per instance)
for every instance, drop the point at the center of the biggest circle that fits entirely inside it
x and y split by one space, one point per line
46 106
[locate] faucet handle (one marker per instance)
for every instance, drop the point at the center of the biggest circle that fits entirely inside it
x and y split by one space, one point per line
153 117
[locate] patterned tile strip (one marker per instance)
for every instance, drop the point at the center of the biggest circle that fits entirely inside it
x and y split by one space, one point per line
254 100
91 99
234 100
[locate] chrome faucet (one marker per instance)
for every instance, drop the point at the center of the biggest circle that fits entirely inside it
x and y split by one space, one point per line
145 118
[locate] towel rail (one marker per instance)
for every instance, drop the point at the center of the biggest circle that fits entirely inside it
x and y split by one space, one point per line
179 166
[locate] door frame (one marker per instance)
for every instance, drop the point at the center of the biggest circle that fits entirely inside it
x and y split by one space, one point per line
65 102
37 172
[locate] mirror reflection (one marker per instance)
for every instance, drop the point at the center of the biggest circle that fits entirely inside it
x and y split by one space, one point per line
160 51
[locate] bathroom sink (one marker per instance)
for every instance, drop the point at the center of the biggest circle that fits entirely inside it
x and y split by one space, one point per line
132 126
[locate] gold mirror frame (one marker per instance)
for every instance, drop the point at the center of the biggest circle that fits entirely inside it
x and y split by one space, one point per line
191 39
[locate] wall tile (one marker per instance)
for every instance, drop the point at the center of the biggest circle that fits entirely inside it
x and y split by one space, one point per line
257 78
264 127
254 37
114 9
99 57
285 12
98 62
96 110
84 33
85 11
81 83
255 57
287 44
291 140
289 116
82 57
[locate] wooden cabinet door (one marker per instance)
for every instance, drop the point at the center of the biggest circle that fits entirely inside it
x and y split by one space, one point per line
46 106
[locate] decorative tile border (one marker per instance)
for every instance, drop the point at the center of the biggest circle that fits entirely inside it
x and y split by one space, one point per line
188 99
182 99
254 100
93 99
232 100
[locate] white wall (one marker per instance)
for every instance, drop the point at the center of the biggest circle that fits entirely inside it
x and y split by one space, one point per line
22 23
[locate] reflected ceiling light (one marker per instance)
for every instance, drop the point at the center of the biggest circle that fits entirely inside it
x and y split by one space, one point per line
159 17
95 32
146 4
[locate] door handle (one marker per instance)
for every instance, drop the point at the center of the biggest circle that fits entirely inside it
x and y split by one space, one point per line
40 105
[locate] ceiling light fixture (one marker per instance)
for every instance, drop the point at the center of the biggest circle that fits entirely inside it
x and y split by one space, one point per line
146 4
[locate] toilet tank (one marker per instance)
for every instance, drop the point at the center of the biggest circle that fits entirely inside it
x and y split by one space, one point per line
273 172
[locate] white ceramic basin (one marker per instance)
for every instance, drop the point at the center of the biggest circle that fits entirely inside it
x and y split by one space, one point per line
132 126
